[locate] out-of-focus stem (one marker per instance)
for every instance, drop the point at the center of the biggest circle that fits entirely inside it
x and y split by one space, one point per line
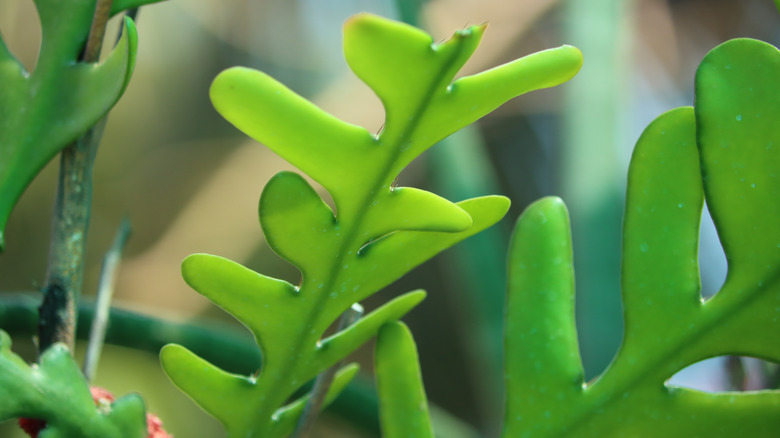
70 219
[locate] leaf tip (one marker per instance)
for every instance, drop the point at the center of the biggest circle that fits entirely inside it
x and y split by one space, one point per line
192 263
571 57
230 82
168 350
415 297
129 43
546 204
358 19
349 371
503 202
498 203
475 31
5 340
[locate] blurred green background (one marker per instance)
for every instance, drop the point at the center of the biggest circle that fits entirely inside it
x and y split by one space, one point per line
190 182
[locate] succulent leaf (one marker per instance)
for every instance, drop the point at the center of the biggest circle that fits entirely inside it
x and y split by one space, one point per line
376 233
722 150
63 95
738 110
55 391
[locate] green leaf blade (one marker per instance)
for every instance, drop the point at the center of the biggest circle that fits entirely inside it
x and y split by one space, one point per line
389 258
378 232
668 326
543 367
472 97
410 209
65 96
403 406
403 66
265 305
683 412
298 225
338 346
738 112
660 239
64 30
737 115
225 396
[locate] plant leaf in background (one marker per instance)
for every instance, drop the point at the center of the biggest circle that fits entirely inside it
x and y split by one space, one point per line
378 232
43 111
55 391
403 406
668 326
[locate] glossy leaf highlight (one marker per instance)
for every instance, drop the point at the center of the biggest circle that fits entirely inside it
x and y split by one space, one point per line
403 408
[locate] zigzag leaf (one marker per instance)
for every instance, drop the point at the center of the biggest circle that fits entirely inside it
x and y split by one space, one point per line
403 406
378 232
287 417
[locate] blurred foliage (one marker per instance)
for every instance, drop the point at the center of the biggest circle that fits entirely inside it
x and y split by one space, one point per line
168 160
66 96
56 391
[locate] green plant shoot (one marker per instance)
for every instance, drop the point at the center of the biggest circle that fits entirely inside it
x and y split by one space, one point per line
736 168
43 111
377 233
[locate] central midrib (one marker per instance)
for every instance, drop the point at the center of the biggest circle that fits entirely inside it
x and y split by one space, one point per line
708 321
350 238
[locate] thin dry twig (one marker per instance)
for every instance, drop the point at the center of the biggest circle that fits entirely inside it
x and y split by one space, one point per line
106 287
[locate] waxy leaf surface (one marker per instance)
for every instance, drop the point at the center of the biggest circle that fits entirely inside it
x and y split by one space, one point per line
43 111
55 391
375 234
724 150
403 408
